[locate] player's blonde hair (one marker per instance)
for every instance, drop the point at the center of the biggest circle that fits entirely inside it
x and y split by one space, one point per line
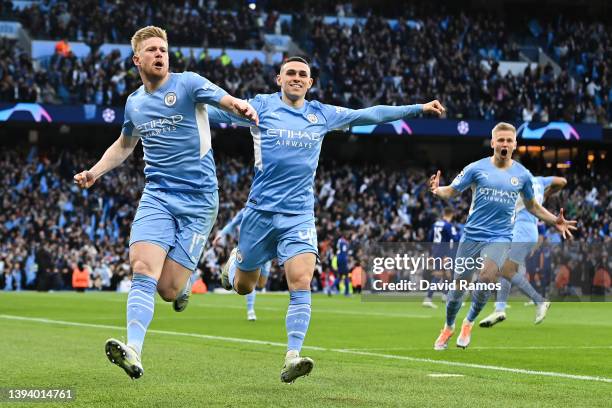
146 33
503 126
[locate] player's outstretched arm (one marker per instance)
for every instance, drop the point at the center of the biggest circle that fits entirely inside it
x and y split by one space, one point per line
444 192
557 184
384 113
113 157
565 227
240 108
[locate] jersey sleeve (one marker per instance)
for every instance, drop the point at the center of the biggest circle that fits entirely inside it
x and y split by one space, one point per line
527 189
128 128
339 118
464 179
202 90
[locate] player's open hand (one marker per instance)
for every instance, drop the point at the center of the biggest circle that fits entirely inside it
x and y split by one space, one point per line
84 179
434 182
434 107
244 109
564 226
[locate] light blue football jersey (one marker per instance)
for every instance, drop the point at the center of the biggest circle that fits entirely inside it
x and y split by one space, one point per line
526 224
172 123
287 144
494 196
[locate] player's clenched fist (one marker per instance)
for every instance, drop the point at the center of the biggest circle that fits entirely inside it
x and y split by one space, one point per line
434 107
84 179
244 109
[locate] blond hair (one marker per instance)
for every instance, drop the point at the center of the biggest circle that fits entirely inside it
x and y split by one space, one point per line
503 126
146 33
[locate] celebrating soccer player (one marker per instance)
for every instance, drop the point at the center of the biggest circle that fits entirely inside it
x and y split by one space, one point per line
279 218
524 242
179 204
496 183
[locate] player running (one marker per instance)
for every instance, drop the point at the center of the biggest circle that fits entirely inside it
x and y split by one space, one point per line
524 242
232 229
279 218
442 236
179 204
496 183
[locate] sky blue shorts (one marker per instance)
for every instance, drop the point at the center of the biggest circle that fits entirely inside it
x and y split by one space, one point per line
519 251
176 221
266 235
495 251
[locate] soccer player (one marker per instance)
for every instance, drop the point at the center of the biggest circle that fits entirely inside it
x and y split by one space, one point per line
524 242
342 250
179 204
496 183
279 218
232 229
443 234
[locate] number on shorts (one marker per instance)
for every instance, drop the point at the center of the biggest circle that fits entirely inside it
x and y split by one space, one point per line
309 235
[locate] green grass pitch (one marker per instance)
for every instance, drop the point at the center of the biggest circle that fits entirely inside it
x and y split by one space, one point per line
367 354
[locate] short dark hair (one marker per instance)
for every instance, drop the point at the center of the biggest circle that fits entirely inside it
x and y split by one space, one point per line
448 211
294 59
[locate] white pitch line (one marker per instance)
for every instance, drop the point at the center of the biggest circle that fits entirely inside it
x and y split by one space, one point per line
484 348
343 351
445 375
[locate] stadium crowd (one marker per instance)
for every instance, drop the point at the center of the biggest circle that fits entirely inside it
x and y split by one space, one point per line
440 55
191 23
50 230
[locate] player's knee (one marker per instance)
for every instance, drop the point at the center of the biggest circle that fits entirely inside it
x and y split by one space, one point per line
509 270
141 267
243 288
488 275
300 283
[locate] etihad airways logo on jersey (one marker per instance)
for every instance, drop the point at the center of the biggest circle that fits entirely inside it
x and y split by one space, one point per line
294 138
158 126
499 195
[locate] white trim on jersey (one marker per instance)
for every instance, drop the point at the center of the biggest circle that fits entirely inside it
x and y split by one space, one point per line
256 133
473 187
135 133
201 116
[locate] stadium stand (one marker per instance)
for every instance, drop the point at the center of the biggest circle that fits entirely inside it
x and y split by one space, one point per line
362 61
